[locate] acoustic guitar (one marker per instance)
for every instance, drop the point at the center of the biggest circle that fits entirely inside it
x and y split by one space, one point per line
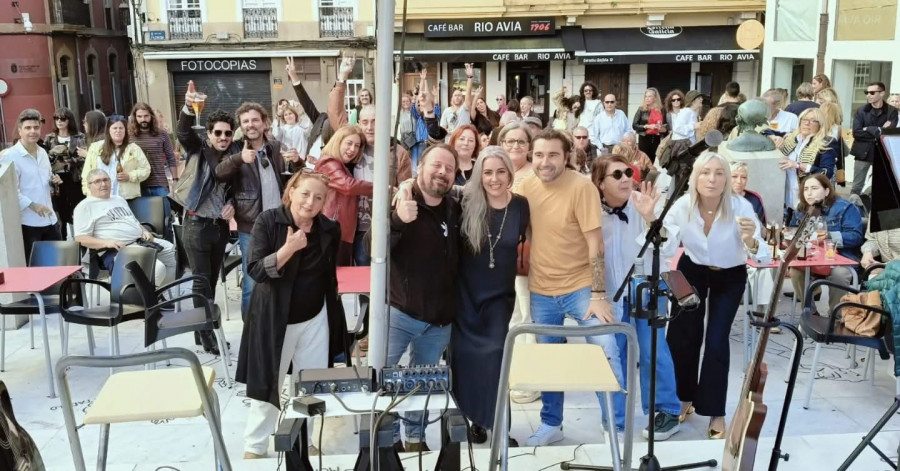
742 438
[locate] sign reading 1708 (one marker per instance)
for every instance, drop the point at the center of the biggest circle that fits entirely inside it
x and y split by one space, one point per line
475 27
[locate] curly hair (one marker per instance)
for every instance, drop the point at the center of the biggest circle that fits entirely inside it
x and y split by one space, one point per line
134 128
219 116
248 106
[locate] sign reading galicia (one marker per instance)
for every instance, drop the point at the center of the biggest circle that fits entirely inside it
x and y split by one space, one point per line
475 27
661 32
220 65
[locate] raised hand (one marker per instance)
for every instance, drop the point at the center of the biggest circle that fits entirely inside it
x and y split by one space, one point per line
645 201
470 70
189 94
248 155
291 69
407 211
346 68
423 74
478 92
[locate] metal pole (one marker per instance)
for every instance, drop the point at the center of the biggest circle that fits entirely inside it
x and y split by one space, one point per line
823 38
384 62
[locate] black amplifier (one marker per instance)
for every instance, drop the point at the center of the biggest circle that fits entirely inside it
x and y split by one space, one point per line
403 379
339 380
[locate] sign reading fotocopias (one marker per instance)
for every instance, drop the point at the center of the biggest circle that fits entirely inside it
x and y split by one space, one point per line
475 27
219 65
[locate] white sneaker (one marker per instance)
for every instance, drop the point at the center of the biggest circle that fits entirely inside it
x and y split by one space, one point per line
545 435
524 397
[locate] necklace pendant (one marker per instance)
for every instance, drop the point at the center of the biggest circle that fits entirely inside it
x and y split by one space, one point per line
491 265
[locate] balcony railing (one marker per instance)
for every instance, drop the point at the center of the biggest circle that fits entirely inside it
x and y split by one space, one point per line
335 22
260 23
185 24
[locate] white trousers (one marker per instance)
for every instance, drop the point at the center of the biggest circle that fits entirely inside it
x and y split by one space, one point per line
522 310
165 263
306 345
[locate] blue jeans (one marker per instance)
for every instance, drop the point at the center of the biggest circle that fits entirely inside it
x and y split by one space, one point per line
164 192
426 343
666 394
360 257
247 282
552 310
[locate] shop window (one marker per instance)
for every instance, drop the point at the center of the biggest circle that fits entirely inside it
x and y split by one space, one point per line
458 76
865 20
797 20
411 75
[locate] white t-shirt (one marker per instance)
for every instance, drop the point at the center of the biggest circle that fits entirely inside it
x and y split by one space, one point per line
452 119
107 219
784 122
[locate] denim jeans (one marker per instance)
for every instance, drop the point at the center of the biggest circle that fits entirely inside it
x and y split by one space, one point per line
666 394
552 310
247 281
164 192
426 343
360 257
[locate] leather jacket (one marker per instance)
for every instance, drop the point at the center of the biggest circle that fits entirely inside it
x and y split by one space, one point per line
342 202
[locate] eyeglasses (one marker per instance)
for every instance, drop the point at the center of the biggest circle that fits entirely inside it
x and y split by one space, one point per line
872 92
610 102
499 99
219 132
515 142
60 118
100 181
617 175
677 98
580 138
809 121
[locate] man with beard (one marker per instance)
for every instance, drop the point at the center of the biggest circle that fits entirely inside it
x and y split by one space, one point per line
424 258
365 167
144 131
253 171
567 276
208 206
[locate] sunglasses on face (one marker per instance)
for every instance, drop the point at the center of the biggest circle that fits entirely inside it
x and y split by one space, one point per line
219 132
872 92
580 138
60 118
617 175
610 102
676 99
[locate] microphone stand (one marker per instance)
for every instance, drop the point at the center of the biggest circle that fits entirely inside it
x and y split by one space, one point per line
649 462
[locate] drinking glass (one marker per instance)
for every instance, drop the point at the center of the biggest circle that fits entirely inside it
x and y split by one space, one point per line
198 103
830 251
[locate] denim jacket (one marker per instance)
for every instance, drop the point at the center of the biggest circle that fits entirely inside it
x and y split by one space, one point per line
845 227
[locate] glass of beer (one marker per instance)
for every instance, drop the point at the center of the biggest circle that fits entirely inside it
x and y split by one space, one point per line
199 101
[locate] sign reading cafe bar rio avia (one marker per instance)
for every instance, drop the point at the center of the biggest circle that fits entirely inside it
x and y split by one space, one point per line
475 27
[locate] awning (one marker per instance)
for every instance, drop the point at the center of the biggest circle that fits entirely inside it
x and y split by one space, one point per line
418 48
656 44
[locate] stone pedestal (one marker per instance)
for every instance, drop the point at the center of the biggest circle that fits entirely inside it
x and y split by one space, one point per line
764 177
12 249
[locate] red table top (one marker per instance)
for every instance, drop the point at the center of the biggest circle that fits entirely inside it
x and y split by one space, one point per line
34 279
817 261
353 280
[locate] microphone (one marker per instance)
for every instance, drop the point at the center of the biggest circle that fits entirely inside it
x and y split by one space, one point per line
713 139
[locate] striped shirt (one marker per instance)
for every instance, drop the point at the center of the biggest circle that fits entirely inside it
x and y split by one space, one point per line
158 150
884 245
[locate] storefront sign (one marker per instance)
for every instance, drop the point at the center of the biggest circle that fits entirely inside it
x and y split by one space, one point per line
480 27
686 56
462 56
661 32
23 68
220 65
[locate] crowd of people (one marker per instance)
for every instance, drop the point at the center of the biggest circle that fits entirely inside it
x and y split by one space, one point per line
498 219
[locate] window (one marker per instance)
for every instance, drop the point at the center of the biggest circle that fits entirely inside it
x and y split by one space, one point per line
865 20
411 76
864 73
308 68
93 86
115 86
64 67
185 19
336 18
797 20
107 12
260 18
355 82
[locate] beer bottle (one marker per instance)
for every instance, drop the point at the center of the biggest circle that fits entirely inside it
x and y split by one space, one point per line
119 168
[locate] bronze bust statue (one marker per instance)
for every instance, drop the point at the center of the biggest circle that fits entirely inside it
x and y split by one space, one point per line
751 114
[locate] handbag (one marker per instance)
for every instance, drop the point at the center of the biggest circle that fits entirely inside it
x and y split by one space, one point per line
408 139
863 321
186 181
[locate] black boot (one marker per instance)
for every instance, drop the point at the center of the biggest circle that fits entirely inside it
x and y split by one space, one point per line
208 339
477 434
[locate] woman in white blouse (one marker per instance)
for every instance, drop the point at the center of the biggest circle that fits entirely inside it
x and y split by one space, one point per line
686 120
718 230
290 132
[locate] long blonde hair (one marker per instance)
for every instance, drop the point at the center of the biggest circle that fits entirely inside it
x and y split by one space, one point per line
475 215
657 102
820 139
724 208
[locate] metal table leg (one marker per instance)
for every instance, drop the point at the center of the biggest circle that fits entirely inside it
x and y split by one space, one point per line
40 302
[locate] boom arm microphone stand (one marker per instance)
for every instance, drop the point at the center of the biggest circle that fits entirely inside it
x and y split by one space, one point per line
649 462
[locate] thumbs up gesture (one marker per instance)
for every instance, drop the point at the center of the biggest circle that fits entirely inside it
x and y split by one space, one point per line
407 210
295 241
248 155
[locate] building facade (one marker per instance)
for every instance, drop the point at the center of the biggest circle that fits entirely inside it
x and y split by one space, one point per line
529 48
236 50
860 40
67 53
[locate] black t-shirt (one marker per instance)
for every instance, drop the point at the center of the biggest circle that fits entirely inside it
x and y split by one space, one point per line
308 295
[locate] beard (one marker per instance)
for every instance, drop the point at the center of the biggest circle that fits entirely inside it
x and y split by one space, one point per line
437 187
145 124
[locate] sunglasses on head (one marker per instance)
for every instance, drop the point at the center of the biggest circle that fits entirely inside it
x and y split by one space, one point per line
115 117
307 172
219 132
617 175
